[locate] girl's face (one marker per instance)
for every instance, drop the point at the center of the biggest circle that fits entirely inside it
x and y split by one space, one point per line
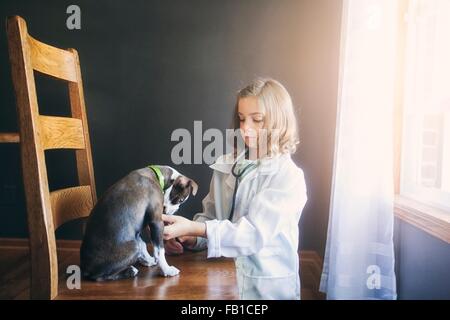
251 120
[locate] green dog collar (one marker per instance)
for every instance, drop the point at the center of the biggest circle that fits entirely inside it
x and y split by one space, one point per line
159 175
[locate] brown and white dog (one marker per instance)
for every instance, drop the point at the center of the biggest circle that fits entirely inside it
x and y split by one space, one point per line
126 218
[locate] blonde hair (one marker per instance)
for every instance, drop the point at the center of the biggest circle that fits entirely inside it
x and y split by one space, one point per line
279 114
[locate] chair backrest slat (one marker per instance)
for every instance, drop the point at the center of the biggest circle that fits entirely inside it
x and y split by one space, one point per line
52 61
70 204
61 133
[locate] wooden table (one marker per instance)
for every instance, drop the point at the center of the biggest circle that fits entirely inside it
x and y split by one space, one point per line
200 278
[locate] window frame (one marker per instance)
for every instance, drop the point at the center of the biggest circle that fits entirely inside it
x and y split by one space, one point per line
429 218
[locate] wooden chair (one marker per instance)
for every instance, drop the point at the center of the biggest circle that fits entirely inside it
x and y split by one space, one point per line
46 210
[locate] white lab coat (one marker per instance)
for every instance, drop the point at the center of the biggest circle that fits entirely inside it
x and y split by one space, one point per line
263 236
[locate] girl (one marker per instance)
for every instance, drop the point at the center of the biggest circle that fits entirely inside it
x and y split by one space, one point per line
260 227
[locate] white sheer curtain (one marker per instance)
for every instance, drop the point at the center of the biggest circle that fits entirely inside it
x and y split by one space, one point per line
359 257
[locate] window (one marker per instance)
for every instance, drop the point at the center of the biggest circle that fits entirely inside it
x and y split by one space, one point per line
425 164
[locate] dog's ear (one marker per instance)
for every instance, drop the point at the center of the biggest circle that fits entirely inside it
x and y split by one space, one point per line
194 186
185 182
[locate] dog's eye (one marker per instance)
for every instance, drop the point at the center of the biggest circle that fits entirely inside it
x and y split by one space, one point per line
181 200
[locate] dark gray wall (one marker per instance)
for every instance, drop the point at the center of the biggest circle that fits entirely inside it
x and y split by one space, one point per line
152 66
422 263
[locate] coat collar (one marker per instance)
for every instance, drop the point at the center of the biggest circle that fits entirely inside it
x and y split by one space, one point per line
265 166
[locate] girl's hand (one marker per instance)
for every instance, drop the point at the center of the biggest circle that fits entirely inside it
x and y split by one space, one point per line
175 226
178 226
188 242
173 247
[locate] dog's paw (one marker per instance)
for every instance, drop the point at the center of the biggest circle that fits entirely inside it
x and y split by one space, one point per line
170 271
131 272
148 261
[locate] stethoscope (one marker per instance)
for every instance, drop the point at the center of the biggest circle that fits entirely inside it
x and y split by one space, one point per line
237 177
